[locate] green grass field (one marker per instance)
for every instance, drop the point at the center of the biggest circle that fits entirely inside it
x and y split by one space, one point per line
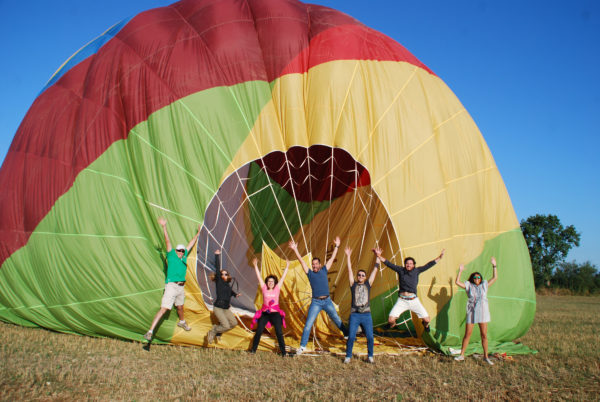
43 365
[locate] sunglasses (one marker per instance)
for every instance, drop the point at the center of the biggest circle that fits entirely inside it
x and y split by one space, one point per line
362 275
181 250
477 277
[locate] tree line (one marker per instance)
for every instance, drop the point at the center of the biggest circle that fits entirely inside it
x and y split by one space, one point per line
549 243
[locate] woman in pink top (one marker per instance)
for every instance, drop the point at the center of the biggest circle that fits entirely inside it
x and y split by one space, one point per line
269 313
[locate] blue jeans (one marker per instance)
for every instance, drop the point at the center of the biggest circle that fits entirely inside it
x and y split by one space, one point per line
365 320
313 311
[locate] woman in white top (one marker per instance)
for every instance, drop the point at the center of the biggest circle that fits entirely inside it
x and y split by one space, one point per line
478 311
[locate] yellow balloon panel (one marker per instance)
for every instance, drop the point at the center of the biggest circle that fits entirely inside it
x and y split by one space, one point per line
428 164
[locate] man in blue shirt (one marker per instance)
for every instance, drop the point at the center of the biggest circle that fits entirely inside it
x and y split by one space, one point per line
174 282
317 276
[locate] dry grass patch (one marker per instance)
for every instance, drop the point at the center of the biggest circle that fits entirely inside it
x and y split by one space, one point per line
43 365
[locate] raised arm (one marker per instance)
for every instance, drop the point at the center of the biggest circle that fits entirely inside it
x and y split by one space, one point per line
440 256
285 271
460 284
218 264
348 252
495 276
432 262
378 252
430 291
163 222
194 239
292 244
374 272
257 272
329 263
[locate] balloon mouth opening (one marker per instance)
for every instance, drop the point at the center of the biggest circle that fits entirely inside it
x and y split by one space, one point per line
310 195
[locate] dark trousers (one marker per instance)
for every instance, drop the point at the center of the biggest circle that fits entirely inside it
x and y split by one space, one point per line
275 319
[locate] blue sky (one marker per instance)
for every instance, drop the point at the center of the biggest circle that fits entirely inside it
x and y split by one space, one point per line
525 70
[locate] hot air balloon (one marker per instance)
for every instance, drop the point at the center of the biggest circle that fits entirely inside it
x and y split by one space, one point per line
263 121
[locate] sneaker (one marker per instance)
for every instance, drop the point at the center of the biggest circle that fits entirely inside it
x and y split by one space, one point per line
371 360
148 336
210 337
183 324
347 360
488 361
459 358
300 350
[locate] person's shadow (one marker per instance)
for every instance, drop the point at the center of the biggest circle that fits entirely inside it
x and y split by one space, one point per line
442 299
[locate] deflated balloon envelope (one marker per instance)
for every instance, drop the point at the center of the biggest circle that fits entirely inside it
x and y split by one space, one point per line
262 122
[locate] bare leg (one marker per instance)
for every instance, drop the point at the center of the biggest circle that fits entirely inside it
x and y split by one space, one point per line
157 318
180 313
465 342
484 339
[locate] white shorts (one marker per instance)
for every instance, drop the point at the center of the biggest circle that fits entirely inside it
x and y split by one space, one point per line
174 294
413 305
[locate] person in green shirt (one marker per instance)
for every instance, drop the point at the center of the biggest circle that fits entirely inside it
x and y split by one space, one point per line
174 282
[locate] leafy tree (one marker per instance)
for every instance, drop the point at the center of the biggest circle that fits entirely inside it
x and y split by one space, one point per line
549 243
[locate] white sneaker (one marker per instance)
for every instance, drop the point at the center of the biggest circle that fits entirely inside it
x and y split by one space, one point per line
347 360
148 336
459 358
300 350
488 361
371 360
183 324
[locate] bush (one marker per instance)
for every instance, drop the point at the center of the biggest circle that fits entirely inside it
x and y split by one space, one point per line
579 278
572 278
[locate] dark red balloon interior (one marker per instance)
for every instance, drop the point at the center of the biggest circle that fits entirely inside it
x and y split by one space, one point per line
318 173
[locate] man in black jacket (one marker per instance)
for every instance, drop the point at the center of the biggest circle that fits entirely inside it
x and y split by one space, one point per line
408 278
221 307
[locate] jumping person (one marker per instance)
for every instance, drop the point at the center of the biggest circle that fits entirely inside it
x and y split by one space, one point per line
478 311
221 307
174 282
408 278
269 313
317 276
360 313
